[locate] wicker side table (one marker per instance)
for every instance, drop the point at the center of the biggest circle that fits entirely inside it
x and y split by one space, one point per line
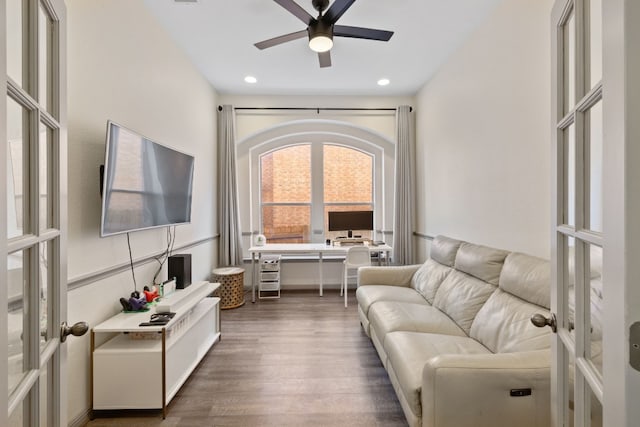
231 291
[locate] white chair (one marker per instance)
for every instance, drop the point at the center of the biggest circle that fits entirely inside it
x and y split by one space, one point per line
357 256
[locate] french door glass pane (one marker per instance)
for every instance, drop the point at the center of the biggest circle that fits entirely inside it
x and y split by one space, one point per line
595 207
14 40
348 175
17 188
596 305
45 386
45 149
570 268
568 398
45 274
595 40
45 32
16 418
287 224
570 176
15 317
595 411
286 175
570 63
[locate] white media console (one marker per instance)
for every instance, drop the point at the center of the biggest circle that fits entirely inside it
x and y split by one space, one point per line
143 367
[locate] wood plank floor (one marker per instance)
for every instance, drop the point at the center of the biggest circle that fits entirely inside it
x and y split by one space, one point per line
301 360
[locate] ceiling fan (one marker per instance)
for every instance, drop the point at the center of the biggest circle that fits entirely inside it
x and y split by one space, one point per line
322 29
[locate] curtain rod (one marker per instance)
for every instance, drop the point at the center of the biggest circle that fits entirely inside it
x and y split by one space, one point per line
315 108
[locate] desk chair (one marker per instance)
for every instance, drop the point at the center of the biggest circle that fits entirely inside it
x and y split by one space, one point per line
357 256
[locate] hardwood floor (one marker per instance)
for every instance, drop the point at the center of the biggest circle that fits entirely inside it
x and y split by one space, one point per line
301 360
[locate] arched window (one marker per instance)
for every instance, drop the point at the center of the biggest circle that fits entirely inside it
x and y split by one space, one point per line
291 175
294 194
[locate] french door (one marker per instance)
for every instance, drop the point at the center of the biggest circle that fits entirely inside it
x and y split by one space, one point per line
33 217
596 211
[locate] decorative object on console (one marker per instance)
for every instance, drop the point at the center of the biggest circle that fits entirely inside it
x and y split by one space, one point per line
149 294
180 268
136 302
168 287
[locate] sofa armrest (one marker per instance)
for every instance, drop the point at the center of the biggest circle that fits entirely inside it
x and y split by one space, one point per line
387 275
476 389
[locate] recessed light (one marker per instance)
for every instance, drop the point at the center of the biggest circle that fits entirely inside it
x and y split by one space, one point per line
250 79
383 82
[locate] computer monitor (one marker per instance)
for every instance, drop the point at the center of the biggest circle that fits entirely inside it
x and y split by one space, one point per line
350 220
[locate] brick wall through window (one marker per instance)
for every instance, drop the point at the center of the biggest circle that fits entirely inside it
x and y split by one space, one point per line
286 185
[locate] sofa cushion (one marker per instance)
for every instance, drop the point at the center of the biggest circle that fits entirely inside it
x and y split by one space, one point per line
444 249
527 277
503 325
367 295
461 296
390 316
408 352
480 261
429 277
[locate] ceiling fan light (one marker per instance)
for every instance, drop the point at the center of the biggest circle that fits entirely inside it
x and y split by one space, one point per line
320 43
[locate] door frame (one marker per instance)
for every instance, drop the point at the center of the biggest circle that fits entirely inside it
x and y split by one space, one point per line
621 75
53 355
621 213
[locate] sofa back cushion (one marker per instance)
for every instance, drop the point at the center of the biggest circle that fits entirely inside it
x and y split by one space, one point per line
461 296
503 325
480 261
528 278
428 278
444 249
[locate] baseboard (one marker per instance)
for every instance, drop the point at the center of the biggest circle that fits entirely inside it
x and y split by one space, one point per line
81 420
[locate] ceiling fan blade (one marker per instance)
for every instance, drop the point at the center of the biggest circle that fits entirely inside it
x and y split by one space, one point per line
325 59
361 33
296 10
337 9
281 39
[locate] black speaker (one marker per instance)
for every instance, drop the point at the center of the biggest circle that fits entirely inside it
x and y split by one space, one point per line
180 268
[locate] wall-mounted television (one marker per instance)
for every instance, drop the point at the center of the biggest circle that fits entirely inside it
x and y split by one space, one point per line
350 220
145 184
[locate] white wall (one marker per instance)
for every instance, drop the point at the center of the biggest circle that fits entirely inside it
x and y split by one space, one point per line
483 135
124 67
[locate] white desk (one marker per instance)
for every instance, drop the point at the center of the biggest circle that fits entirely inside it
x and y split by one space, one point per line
302 248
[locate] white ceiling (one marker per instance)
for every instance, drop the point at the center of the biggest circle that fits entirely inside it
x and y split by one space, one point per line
218 35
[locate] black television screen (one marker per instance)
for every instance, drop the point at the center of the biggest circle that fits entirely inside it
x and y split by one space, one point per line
145 184
350 220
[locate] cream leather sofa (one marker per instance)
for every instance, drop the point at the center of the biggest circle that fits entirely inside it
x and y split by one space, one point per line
455 337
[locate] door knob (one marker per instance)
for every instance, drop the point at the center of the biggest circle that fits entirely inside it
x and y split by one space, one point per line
78 329
540 321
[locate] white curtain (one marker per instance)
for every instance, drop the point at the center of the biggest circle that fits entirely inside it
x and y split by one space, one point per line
230 242
404 187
